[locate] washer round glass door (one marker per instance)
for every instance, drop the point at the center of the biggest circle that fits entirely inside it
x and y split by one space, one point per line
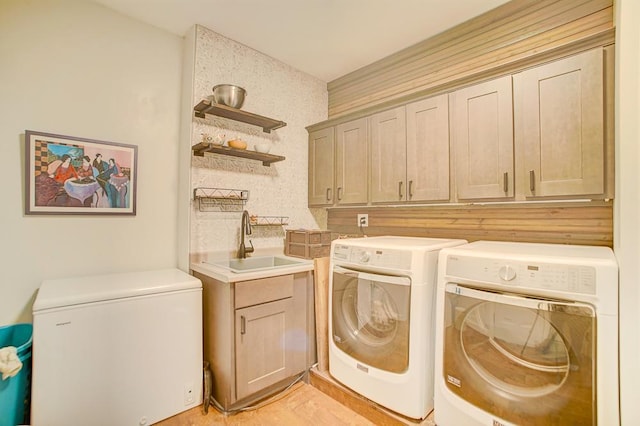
370 318
522 359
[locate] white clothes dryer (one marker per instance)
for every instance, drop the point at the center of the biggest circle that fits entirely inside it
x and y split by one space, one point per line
382 307
526 334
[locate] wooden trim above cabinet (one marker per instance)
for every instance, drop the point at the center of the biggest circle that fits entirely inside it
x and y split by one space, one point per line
507 39
582 223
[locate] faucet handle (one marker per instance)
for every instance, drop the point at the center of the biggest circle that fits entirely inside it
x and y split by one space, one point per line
249 250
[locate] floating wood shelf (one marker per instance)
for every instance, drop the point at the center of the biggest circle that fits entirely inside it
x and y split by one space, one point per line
207 107
200 149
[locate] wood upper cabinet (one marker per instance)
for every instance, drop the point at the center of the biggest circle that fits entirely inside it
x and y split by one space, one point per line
352 177
482 137
410 152
559 116
388 155
545 132
321 167
428 149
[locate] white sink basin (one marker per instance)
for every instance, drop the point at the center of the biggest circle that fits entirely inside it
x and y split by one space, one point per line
255 263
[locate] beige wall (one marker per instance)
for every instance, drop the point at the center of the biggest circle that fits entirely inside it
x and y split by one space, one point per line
274 90
75 68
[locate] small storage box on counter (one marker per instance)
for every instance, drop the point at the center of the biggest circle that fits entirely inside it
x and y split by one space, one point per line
309 244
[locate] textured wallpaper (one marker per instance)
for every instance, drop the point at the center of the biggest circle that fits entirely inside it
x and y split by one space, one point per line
274 90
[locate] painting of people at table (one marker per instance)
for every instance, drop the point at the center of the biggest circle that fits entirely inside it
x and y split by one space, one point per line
81 176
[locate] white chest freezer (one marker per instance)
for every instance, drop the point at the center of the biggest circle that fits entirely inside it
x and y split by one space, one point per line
118 349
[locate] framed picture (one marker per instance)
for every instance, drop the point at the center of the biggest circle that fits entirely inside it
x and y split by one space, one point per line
70 175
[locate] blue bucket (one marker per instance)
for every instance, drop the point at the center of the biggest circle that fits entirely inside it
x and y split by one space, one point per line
15 392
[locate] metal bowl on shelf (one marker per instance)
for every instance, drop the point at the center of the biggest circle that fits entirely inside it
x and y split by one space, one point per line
229 95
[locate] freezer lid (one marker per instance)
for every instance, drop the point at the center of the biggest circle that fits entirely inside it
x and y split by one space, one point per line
79 290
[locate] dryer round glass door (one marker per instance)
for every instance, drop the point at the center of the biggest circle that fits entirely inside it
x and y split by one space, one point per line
370 318
522 359
492 333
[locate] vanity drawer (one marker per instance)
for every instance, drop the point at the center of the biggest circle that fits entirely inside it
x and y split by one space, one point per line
254 292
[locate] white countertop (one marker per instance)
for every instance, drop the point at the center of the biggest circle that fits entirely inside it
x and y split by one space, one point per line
225 275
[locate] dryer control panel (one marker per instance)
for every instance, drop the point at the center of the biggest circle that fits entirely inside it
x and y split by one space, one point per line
524 274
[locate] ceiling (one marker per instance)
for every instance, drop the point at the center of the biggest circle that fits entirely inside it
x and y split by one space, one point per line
324 38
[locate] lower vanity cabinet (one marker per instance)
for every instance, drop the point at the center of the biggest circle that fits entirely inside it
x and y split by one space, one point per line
264 317
258 335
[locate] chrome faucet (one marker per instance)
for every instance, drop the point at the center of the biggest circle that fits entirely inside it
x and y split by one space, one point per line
245 228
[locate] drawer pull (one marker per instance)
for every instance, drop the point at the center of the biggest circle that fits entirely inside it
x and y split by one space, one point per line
532 180
243 325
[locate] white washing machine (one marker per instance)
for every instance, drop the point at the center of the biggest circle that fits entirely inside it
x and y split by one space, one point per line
526 334
382 307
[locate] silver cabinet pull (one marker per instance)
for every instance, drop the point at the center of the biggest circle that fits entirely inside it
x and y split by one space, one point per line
328 194
410 189
339 193
532 180
400 190
505 181
243 325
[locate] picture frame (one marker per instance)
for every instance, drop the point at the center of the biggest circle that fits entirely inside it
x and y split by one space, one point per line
72 175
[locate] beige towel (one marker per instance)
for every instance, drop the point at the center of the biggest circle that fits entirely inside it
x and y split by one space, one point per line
10 364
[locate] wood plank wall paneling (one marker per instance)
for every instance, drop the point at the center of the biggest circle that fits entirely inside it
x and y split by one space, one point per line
514 36
583 223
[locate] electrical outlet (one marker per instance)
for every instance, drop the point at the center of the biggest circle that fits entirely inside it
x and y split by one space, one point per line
363 220
189 394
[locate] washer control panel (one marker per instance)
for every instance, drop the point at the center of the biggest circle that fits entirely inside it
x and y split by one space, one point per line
371 256
525 274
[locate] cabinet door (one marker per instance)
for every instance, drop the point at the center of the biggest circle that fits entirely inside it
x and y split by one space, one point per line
428 149
482 132
388 155
264 355
352 179
321 167
559 126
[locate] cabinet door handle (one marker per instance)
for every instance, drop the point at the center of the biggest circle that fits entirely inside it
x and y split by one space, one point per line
505 181
400 190
339 193
243 325
532 180
328 194
410 189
